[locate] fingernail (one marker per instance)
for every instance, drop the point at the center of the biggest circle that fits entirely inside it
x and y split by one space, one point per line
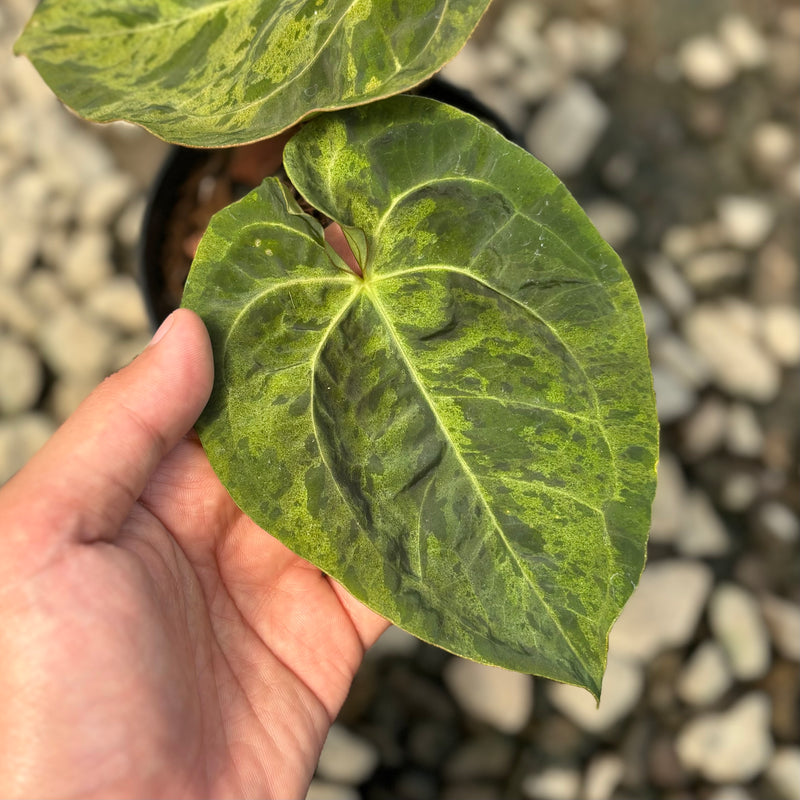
162 331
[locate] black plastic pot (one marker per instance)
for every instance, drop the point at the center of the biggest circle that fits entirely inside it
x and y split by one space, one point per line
193 183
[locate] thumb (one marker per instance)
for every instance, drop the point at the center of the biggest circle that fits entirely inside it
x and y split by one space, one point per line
83 483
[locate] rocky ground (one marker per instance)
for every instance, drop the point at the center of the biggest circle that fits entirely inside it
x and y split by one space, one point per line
675 126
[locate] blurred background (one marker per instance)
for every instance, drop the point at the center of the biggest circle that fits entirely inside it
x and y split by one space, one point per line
675 125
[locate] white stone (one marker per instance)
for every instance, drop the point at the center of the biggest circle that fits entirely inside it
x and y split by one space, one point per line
552 783
783 621
669 284
730 793
706 64
324 790
85 263
680 242
346 758
663 610
72 345
706 676
732 746
745 44
603 774
739 490
783 773
102 200
601 45
738 626
656 318
673 353
518 25
719 333
780 332
779 522
124 350
566 129
710 270
118 301
773 146
675 398
622 687
129 224
21 376
746 221
669 499
20 437
744 436
18 250
44 292
615 222
563 41
16 313
496 696
703 533
705 430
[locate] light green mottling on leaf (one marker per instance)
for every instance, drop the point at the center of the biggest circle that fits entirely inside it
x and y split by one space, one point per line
210 73
466 438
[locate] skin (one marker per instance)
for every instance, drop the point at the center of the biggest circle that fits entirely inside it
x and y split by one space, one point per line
153 641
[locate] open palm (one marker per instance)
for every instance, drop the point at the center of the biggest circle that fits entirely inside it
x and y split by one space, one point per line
153 640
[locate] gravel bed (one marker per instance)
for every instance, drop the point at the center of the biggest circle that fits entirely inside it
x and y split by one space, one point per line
674 124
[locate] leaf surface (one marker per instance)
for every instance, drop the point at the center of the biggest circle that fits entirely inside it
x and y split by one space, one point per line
208 73
466 438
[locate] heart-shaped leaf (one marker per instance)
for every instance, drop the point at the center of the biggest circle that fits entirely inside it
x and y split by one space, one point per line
466 437
218 72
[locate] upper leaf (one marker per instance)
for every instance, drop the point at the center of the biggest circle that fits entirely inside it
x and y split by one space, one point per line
466 438
208 73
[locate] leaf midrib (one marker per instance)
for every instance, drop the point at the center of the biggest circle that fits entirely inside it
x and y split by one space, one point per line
468 472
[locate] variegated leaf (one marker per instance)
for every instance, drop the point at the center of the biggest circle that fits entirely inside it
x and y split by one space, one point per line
208 73
466 436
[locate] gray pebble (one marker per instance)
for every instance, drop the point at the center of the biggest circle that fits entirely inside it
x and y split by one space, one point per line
501 698
663 610
746 221
714 270
72 345
738 625
669 284
783 621
706 63
732 746
346 758
603 774
669 499
675 398
21 376
552 783
706 675
722 335
783 773
85 263
118 302
324 790
702 533
779 522
622 687
567 128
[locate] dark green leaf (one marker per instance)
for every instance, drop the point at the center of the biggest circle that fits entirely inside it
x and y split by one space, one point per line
216 72
466 438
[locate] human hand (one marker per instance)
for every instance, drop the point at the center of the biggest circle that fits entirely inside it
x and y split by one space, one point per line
153 641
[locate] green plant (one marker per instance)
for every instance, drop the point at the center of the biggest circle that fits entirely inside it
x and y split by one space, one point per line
462 430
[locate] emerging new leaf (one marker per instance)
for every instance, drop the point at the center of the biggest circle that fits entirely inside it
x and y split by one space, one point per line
466 436
208 73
